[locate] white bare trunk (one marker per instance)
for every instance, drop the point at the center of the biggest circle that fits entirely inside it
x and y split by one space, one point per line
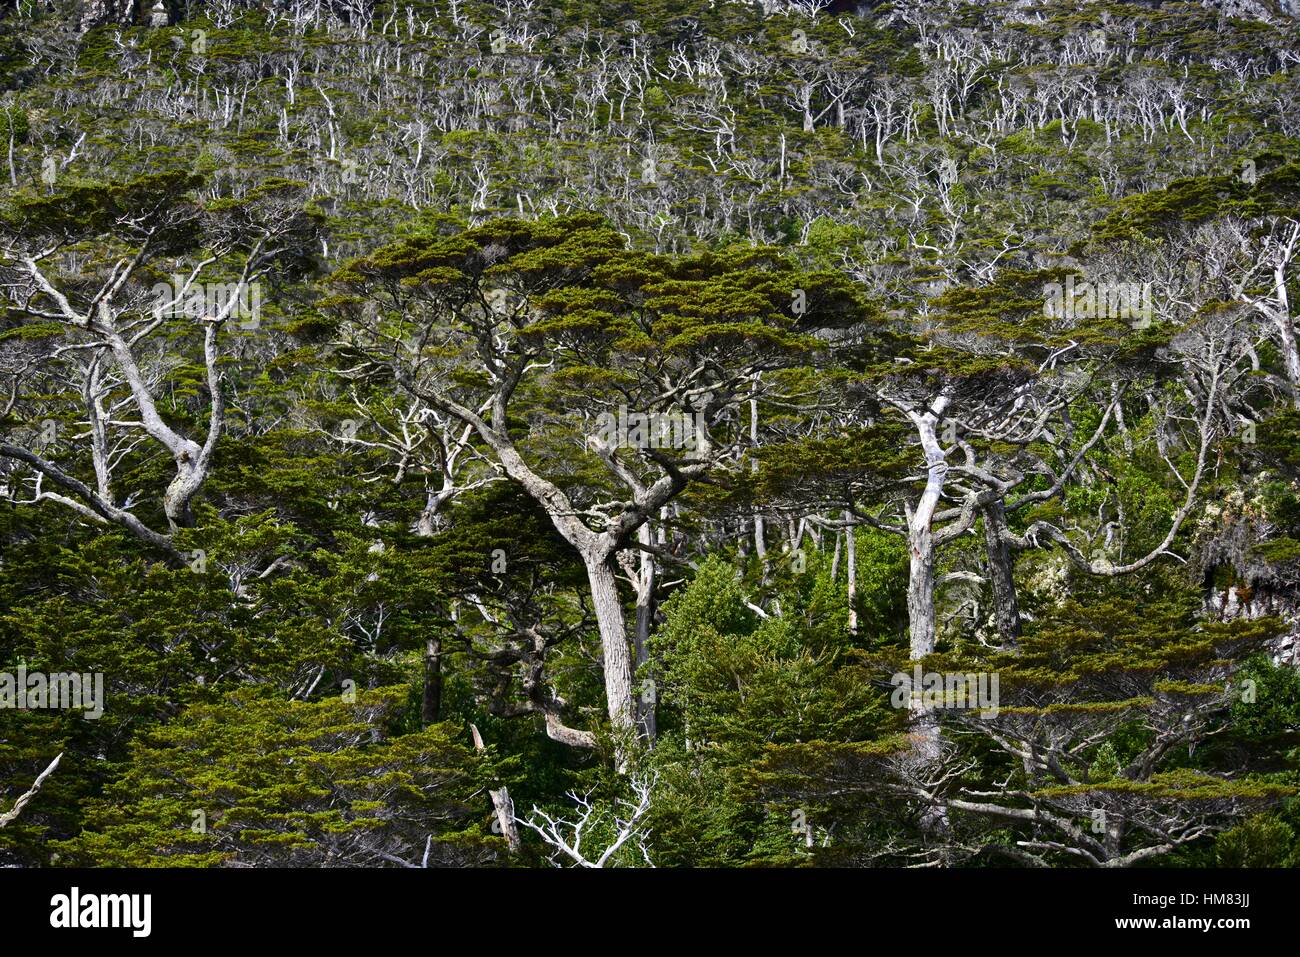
1281 316
614 649
502 804
920 591
920 535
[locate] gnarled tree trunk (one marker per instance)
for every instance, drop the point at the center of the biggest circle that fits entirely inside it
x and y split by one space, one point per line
920 534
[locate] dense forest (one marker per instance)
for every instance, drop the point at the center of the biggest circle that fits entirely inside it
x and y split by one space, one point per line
657 433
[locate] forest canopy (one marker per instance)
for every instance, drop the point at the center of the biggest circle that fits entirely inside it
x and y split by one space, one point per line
665 433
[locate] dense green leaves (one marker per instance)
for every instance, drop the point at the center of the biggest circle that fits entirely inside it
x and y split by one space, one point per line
482 232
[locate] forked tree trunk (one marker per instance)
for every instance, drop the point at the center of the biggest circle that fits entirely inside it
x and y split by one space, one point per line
920 534
925 733
598 553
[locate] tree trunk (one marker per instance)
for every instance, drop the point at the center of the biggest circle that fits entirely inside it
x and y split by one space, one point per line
645 610
1005 603
1281 316
502 804
12 814
614 648
431 703
920 591
180 492
851 559
920 536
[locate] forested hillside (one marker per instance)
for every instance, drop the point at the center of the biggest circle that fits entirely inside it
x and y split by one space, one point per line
668 433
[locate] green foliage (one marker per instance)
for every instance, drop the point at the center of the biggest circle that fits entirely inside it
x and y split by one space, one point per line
663 206
1263 841
258 780
735 685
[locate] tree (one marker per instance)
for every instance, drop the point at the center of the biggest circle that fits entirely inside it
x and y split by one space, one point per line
82 277
565 836
555 321
1087 755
